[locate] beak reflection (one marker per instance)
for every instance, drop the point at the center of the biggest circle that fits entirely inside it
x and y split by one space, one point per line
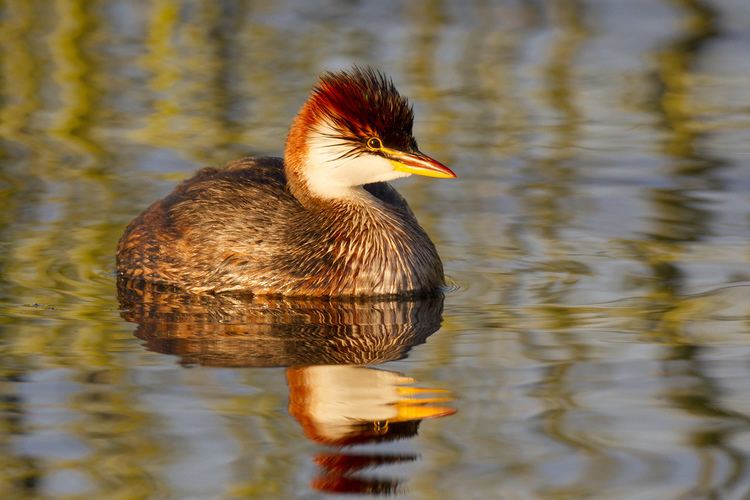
353 405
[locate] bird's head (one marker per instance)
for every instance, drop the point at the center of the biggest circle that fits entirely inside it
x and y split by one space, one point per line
355 129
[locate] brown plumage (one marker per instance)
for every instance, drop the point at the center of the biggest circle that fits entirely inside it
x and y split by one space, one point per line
319 223
236 330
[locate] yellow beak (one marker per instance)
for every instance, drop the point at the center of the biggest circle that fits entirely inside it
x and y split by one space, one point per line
417 163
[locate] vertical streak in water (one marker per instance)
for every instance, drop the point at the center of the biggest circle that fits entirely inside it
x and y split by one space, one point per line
19 91
678 215
57 257
188 57
31 261
81 176
679 218
547 199
19 88
436 119
196 97
160 63
118 431
423 66
75 75
20 83
555 169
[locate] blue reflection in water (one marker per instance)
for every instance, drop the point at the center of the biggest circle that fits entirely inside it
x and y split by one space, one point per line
337 401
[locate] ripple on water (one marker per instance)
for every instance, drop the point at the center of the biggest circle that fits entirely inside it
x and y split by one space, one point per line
594 335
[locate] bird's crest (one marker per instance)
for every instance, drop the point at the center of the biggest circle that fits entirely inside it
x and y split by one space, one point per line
363 103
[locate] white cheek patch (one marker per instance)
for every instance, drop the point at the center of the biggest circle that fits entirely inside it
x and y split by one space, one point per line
330 173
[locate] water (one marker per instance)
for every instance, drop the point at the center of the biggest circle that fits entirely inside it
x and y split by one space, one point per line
595 340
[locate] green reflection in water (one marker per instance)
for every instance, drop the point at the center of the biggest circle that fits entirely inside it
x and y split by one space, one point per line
597 235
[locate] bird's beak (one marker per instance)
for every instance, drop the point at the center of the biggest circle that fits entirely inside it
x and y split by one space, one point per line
417 163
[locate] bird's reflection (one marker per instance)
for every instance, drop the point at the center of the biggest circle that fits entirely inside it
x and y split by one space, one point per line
350 405
337 401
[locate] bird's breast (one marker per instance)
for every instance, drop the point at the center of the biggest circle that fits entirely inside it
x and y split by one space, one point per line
361 256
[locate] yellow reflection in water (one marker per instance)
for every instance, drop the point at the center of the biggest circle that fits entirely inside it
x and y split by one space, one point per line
20 89
102 100
76 75
336 404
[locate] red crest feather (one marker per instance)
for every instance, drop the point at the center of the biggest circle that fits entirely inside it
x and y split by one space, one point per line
362 103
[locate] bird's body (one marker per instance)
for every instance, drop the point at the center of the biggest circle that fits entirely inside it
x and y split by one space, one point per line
322 222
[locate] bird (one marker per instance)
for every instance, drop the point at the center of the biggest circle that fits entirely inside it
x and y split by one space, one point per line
323 221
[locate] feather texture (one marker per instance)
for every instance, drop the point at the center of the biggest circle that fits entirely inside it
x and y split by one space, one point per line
257 226
240 229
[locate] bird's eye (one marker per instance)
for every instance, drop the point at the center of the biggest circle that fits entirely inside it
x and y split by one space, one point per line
374 143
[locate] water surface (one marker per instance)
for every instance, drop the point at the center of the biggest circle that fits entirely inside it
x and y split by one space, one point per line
595 340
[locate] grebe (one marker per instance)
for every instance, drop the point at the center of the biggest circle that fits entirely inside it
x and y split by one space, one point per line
321 222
